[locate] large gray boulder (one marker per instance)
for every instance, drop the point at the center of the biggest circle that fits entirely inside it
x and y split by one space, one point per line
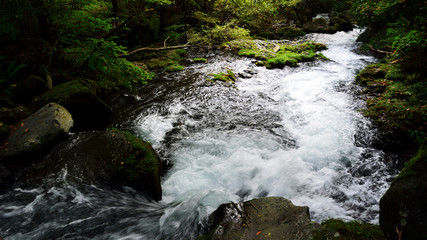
38 131
270 217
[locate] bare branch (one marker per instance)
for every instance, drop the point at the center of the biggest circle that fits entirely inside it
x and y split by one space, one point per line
147 49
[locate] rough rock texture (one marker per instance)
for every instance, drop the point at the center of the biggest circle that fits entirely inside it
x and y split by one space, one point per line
404 206
110 158
79 97
38 131
270 217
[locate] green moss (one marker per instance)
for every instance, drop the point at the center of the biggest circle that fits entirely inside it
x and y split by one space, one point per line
181 51
148 162
286 59
241 44
291 32
224 77
399 106
410 168
340 230
287 55
174 68
200 60
162 59
395 73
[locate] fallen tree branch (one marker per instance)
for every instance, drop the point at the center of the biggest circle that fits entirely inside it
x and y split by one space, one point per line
379 51
164 43
152 50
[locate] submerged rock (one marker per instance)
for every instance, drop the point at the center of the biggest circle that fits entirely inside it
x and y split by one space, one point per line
38 132
270 217
403 208
89 112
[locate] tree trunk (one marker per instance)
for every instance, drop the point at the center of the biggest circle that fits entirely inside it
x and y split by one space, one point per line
115 7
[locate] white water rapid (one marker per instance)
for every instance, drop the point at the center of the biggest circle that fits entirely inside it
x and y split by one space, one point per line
292 132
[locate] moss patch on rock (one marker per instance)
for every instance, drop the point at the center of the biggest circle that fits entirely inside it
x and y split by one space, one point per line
340 230
174 68
228 77
403 208
398 103
281 55
162 59
200 60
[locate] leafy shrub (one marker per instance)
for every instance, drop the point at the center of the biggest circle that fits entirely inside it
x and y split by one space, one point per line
218 35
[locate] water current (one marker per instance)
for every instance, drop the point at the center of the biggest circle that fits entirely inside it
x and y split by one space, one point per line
293 132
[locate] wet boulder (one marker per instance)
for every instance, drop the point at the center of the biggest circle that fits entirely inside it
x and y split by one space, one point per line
38 131
270 217
319 25
110 158
341 24
79 97
403 208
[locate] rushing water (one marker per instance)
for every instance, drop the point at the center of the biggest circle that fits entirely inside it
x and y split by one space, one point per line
292 132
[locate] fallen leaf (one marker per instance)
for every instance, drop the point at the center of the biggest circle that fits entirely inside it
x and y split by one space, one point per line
258 233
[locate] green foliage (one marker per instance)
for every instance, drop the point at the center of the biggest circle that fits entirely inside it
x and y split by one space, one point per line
340 230
175 33
102 57
404 21
218 35
403 35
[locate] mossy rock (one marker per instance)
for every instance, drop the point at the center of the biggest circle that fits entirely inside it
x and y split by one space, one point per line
141 168
279 56
174 68
319 26
156 61
263 218
371 72
229 76
80 99
290 32
200 60
403 207
341 24
340 230
108 159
